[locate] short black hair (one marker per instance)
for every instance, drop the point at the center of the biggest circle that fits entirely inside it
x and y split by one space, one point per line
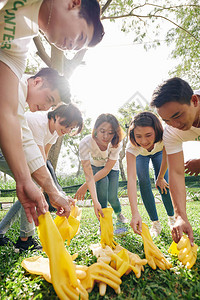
91 12
172 90
55 82
70 114
146 119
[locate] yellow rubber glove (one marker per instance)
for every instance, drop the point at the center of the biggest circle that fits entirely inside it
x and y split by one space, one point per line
106 224
173 249
153 255
119 259
187 254
62 269
67 227
136 264
38 265
101 272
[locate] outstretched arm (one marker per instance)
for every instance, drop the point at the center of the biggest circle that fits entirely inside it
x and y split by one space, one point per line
178 193
136 222
11 145
80 194
87 168
161 182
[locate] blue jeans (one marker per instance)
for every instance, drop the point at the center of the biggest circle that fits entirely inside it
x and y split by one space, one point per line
15 212
142 166
107 189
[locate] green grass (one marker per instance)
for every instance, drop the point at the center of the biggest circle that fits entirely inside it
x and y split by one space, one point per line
176 283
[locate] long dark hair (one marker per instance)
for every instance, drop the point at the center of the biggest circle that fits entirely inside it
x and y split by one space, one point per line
118 131
146 119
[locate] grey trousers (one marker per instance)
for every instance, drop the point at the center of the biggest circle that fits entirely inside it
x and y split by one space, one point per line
15 212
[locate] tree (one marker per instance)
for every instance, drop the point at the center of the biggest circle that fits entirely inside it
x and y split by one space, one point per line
145 20
72 145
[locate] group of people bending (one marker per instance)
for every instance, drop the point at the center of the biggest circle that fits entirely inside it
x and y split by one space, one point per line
73 24
99 154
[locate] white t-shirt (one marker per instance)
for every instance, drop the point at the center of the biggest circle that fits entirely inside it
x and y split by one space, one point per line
137 150
33 154
173 138
18 25
89 150
39 125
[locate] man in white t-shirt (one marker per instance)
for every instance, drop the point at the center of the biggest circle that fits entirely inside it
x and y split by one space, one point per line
179 107
40 92
68 24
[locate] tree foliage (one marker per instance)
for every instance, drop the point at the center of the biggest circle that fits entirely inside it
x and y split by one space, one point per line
147 20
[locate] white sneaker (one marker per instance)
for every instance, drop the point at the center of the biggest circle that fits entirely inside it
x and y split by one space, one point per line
121 218
171 221
155 229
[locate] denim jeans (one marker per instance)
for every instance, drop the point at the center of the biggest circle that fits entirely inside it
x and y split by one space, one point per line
15 212
142 166
107 189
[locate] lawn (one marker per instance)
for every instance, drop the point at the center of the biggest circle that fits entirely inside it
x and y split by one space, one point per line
176 283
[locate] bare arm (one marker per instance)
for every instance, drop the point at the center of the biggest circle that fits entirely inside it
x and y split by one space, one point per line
87 168
136 222
61 202
80 194
161 182
11 145
178 193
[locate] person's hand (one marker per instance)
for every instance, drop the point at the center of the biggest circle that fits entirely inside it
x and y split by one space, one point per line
182 225
192 167
62 203
80 194
162 184
98 210
32 200
136 223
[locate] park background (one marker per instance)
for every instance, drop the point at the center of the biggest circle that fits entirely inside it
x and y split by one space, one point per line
103 81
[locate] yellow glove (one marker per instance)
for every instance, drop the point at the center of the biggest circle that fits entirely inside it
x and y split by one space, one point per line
136 264
101 272
153 255
62 269
38 265
67 227
187 254
106 224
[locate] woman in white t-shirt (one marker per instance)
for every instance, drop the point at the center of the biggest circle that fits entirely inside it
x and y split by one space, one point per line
99 155
145 144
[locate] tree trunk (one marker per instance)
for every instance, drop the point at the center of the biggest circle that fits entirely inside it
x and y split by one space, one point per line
79 169
54 152
121 157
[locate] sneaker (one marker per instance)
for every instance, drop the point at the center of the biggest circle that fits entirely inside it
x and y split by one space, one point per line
155 229
121 218
120 231
171 221
5 241
30 244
